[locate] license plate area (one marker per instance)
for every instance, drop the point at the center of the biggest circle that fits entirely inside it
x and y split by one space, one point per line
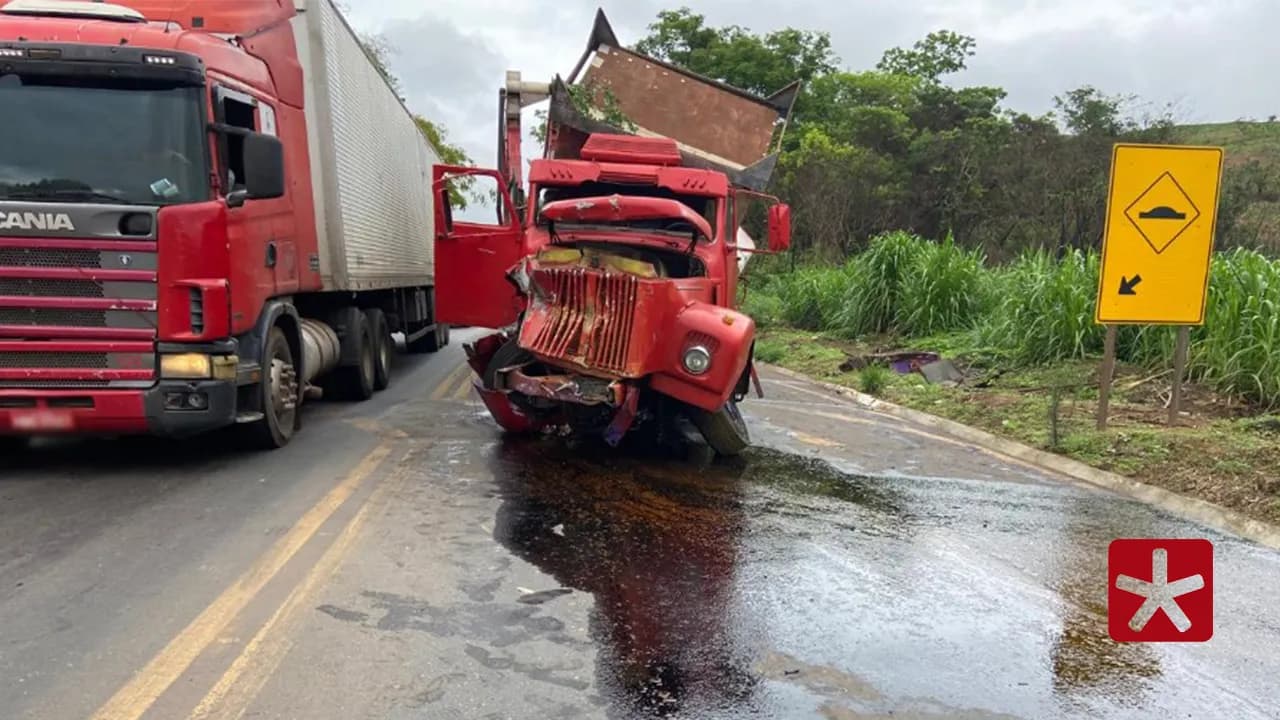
43 421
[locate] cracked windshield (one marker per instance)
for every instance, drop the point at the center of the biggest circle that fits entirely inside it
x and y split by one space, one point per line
495 360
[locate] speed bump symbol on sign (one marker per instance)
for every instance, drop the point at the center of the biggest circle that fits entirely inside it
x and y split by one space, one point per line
1161 215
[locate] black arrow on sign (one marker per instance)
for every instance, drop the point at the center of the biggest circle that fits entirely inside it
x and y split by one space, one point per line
1127 286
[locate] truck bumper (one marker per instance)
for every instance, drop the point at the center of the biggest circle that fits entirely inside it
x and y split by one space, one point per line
172 408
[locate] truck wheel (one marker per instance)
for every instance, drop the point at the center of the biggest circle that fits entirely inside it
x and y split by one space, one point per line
382 349
280 397
725 431
356 383
509 354
431 342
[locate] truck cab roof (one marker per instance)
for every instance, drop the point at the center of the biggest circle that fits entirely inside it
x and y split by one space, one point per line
48 22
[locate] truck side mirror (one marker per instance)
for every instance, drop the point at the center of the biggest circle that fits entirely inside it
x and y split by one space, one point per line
263 166
779 227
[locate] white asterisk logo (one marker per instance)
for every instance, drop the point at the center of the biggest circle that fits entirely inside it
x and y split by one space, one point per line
1160 593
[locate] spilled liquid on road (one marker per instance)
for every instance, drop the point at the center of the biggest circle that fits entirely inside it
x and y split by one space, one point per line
778 585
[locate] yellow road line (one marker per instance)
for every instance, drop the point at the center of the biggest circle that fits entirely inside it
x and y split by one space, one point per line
263 654
464 388
442 390
148 684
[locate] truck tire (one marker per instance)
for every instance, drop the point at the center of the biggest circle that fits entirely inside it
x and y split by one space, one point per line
725 431
432 341
280 397
355 383
383 349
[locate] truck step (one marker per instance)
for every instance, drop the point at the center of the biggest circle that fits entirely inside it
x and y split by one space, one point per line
248 417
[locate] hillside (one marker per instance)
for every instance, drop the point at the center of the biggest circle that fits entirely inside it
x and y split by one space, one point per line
1252 161
1243 141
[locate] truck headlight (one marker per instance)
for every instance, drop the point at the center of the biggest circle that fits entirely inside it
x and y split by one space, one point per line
697 360
188 366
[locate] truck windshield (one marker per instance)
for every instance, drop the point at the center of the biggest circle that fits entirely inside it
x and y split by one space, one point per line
62 140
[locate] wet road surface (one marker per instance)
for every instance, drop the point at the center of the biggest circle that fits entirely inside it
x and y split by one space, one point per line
404 560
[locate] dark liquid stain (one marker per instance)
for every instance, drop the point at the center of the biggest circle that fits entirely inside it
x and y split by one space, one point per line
658 544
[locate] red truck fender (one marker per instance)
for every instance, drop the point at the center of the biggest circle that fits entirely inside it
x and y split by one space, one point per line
725 334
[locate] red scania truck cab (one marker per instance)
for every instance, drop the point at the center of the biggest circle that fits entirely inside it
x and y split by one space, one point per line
209 211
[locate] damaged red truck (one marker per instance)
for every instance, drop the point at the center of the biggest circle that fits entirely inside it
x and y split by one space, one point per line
612 282
207 210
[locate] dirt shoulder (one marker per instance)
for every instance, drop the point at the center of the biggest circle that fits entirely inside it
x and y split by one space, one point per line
1220 451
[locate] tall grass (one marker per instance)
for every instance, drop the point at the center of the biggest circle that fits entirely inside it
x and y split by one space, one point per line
1238 348
1045 310
947 289
879 280
1037 310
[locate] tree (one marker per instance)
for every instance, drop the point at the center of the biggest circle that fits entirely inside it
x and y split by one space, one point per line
379 50
733 55
941 52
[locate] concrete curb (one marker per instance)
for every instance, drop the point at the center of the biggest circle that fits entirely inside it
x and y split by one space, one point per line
1194 509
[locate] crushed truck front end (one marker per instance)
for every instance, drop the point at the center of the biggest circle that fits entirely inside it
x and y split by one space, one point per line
612 282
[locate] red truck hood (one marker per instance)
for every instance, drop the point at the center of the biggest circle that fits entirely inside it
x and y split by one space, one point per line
624 208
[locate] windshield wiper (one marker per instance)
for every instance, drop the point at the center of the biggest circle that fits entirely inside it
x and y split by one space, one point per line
67 193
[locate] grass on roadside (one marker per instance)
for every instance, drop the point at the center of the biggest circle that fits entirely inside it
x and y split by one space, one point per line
1222 455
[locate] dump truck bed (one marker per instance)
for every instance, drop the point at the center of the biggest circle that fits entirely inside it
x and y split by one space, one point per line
715 125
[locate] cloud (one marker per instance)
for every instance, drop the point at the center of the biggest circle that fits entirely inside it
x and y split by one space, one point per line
1214 59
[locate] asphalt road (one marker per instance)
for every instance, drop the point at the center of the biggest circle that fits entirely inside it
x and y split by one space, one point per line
403 560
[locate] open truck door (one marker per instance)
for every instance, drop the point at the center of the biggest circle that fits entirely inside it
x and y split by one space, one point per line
472 258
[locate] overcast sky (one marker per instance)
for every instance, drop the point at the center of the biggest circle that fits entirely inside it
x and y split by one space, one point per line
1214 58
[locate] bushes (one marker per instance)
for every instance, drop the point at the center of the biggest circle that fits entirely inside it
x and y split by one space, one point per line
947 290
1238 348
1045 309
1037 310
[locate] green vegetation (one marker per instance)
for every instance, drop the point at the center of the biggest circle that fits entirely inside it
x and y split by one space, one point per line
874 379
1221 453
902 145
1037 310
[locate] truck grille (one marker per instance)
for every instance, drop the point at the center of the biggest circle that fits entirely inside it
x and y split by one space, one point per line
586 318
53 316
51 288
50 258
28 360
68 295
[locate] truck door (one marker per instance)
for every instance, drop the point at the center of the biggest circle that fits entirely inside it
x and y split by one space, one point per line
473 257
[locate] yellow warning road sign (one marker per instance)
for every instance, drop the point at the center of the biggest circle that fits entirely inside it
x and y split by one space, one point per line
1159 235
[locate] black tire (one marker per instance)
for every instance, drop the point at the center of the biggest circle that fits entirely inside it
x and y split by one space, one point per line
509 354
725 431
355 383
280 412
13 444
431 342
383 348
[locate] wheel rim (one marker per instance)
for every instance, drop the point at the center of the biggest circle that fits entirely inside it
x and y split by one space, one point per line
283 388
